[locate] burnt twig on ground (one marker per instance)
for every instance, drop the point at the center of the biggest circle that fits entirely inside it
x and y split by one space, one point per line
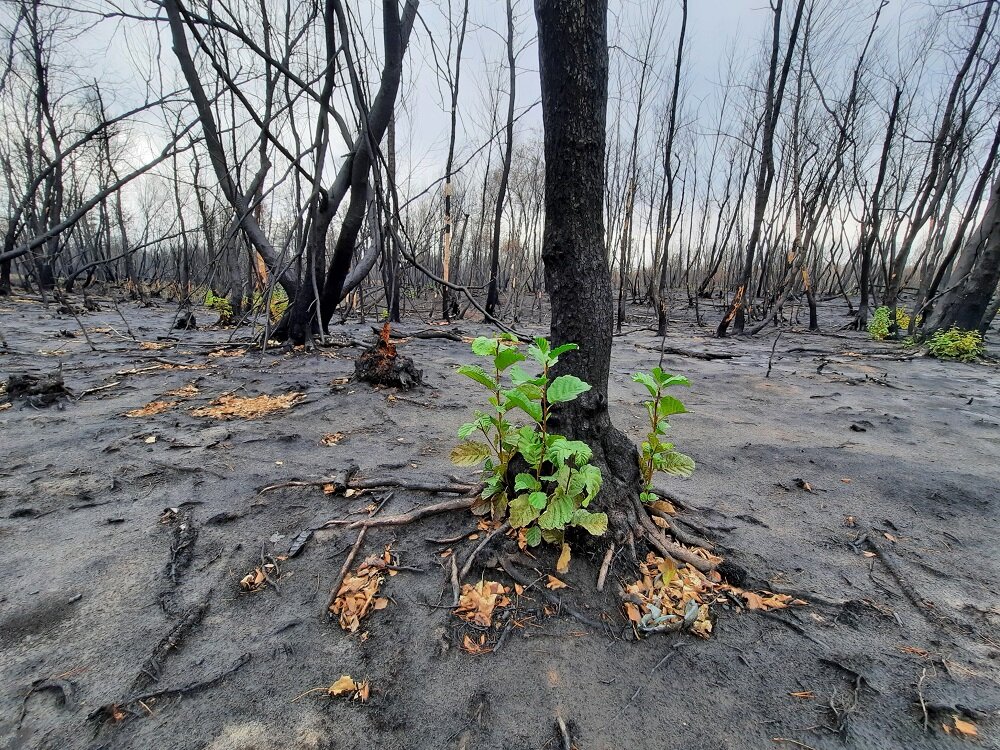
121 710
335 589
150 671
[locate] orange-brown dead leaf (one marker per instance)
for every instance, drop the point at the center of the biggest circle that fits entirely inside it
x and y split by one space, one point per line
965 728
804 694
554 584
562 564
476 603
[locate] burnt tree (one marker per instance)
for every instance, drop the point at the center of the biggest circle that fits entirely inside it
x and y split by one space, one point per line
573 57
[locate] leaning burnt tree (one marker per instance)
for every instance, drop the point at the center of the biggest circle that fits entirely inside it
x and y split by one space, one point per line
573 57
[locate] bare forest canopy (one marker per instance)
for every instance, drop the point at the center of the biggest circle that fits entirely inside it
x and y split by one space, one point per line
290 160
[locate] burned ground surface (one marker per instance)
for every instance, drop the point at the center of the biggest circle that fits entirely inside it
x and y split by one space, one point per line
863 477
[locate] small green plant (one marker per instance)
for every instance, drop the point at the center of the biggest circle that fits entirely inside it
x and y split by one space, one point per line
559 482
955 343
221 305
878 326
656 454
278 306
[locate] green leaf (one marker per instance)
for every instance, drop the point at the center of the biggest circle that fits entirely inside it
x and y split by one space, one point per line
587 479
478 374
482 422
665 379
538 500
533 536
539 351
558 513
522 512
470 453
519 376
526 482
529 445
677 464
562 349
647 497
565 388
518 398
553 536
506 357
595 523
484 346
646 380
669 405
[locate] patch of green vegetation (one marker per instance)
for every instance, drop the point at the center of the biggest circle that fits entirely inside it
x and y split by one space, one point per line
878 326
221 305
559 482
955 343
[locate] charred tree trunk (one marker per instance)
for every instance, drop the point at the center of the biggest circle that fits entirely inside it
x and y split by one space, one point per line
870 237
493 293
573 56
966 304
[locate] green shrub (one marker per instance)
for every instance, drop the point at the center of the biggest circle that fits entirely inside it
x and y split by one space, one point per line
878 326
560 481
955 343
221 305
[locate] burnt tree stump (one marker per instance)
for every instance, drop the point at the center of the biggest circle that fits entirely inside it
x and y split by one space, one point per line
381 364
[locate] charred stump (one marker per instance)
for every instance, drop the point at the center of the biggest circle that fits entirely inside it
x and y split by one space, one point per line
381 364
38 390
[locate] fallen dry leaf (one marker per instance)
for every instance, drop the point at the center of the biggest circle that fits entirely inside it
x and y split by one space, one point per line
250 407
554 584
965 728
476 603
331 438
890 537
562 564
358 594
664 507
343 686
155 346
472 647
5 406
804 694
922 652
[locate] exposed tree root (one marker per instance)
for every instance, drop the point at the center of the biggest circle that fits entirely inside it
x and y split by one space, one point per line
120 711
341 482
404 518
381 364
924 606
511 569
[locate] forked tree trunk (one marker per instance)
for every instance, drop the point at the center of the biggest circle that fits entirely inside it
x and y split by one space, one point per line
573 56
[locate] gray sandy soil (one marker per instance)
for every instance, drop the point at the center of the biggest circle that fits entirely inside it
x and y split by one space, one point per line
907 446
